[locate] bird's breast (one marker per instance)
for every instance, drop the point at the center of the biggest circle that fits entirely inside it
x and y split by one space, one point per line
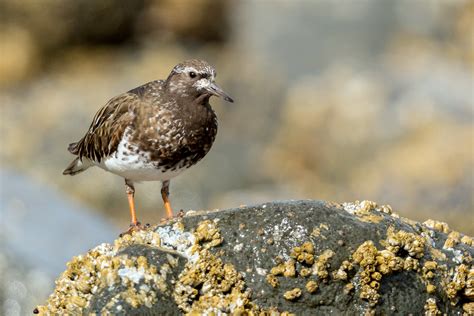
177 139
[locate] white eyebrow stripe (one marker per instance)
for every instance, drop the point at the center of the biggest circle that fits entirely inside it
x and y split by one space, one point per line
185 69
207 71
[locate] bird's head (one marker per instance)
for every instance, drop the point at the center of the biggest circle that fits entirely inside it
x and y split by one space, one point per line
194 79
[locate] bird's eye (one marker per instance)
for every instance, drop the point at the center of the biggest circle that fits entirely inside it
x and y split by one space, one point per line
192 74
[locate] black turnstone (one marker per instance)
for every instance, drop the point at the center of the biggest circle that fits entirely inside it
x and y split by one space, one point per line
153 132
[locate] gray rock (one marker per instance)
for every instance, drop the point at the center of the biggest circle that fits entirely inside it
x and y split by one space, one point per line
302 257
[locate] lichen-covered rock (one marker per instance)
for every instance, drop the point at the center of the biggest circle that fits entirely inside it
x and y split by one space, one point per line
301 257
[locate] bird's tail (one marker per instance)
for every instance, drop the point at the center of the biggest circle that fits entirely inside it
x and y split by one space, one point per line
76 166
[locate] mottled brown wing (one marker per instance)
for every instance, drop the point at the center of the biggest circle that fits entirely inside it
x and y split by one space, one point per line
107 128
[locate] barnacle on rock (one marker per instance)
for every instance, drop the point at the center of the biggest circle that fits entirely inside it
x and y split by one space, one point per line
101 267
321 265
375 263
461 279
286 269
272 280
453 239
304 272
341 273
292 294
431 309
437 225
304 253
210 285
401 240
289 268
430 288
218 284
311 286
468 308
467 240
207 234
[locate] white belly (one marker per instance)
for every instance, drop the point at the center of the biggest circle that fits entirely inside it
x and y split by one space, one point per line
137 170
127 163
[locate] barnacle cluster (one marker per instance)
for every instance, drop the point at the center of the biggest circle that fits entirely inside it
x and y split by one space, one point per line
468 308
366 257
205 284
292 294
311 286
461 280
209 285
305 263
207 234
453 239
437 225
321 265
368 211
428 272
101 267
431 309
287 269
341 272
304 253
402 252
401 240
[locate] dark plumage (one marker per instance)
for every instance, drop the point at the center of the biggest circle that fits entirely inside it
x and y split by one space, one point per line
153 132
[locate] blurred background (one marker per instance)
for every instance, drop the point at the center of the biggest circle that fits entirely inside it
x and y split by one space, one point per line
335 100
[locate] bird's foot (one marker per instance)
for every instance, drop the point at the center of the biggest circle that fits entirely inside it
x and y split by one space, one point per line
167 219
134 227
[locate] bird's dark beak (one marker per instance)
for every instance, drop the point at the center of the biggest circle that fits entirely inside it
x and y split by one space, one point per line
217 91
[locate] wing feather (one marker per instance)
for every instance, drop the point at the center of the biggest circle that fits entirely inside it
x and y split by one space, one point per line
107 128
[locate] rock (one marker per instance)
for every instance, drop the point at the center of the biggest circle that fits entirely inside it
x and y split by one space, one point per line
301 257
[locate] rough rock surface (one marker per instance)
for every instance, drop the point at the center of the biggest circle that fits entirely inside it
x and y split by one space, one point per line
300 257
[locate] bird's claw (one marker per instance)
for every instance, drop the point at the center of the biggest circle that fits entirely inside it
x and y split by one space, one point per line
134 227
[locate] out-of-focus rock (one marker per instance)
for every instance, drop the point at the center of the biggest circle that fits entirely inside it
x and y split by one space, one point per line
18 55
303 257
352 127
37 33
198 21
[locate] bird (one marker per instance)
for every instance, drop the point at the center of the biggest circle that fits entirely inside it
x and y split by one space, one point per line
153 132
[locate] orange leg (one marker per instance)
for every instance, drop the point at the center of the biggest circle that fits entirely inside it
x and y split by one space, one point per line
165 193
131 204
135 224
